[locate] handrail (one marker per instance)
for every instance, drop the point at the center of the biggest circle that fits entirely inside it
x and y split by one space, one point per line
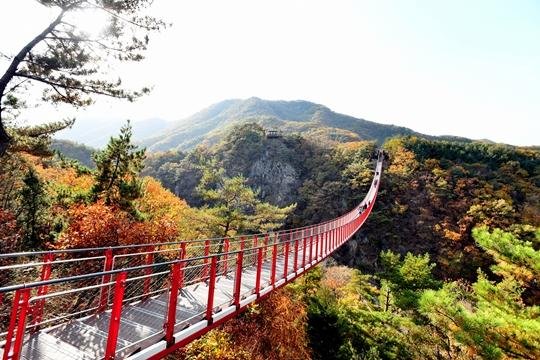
272 234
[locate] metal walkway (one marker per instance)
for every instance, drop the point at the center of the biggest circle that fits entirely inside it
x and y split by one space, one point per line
145 301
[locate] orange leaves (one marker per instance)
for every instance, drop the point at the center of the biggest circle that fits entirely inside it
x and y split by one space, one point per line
93 225
105 225
62 177
336 277
165 209
275 329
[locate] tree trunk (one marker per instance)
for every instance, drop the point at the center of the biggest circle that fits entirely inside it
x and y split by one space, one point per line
11 71
4 138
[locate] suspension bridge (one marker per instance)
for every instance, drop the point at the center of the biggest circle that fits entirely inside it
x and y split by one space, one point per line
145 301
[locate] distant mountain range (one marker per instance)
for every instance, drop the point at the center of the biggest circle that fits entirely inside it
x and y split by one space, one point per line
303 117
97 132
209 125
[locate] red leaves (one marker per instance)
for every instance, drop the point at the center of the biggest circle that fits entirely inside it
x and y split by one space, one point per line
106 225
10 233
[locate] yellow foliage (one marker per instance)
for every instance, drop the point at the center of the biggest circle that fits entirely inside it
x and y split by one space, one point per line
403 161
63 177
452 235
162 206
354 145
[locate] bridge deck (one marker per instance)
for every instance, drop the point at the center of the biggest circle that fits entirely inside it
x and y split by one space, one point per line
142 321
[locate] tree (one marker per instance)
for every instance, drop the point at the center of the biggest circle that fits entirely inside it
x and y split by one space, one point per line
408 277
273 329
491 318
34 204
348 318
10 234
67 62
234 206
117 170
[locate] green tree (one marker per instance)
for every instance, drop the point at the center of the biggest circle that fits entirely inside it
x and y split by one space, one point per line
348 318
234 207
515 258
33 212
117 170
491 318
406 278
68 62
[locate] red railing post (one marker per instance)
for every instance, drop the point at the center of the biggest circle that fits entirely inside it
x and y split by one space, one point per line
226 247
295 265
310 248
304 249
316 247
206 259
245 258
238 278
104 292
12 322
116 313
265 252
321 245
259 270
323 242
17 325
182 264
37 309
21 324
211 290
274 258
149 260
286 260
173 302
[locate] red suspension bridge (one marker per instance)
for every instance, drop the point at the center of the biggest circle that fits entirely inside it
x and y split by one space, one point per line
145 301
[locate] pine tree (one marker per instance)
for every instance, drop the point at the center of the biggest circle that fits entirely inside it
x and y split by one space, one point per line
235 207
117 170
34 205
69 62
491 318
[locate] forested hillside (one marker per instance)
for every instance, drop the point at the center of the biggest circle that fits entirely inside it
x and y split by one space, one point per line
428 276
446 266
74 151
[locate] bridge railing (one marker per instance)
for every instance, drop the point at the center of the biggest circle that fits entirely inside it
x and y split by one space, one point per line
48 288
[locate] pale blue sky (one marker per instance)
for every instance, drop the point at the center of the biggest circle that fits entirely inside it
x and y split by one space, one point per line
468 68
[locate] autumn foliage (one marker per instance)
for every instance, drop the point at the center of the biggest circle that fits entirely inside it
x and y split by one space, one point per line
166 219
274 329
10 233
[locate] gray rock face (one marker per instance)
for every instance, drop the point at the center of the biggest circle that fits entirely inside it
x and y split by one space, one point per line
277 180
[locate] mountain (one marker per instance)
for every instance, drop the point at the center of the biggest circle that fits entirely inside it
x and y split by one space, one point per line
309 119
97 132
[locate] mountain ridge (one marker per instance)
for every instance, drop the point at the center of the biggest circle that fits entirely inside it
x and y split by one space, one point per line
210 124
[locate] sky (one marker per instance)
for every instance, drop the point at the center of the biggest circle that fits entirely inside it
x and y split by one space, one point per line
440 67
